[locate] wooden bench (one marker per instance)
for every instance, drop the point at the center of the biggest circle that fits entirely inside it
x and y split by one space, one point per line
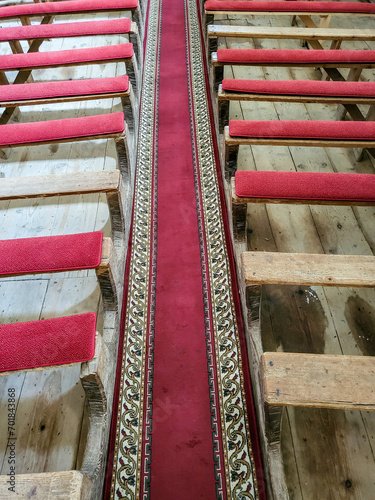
49 10
312 35
76 183
107 126
301 9
298 91
309 188
30 94
64 485
294 133
316 380
69 339
25 63
330 60
37 34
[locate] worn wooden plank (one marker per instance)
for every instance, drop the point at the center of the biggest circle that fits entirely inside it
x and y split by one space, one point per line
308 269
67 485
292 33
318 380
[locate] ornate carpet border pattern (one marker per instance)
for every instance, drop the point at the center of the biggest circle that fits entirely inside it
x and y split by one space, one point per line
241 480
127 461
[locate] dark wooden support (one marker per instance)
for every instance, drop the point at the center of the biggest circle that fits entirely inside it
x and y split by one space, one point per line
230 159
223 114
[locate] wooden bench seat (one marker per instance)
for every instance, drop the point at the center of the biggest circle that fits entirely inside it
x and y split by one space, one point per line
60 340
25 63
69 184
64 485
316 380
299 91
309 188
70 90
49 10
293 7
106 126
294 133
312 35
39 33
327 59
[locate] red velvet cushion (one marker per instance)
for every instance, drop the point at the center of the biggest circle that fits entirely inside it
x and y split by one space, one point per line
47 342
116 26
33 9
55 130
305 186
50 253
280 56
46 90
301 87
74 56
291 6
303 129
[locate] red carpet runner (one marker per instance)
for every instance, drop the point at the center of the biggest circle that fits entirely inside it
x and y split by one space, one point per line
182 429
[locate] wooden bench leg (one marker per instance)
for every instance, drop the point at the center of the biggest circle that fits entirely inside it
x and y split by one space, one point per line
217 76
107 275
122 149
212 45
134 38
230 160
132 72
93 385
354 75
358 152
239 214
129 107
138 19
116 213
223 114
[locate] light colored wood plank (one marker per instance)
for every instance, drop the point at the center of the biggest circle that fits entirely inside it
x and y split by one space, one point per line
322 380
292 33
308 269
66 485
74 183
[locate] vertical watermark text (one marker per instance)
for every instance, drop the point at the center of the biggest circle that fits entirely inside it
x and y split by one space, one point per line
11 446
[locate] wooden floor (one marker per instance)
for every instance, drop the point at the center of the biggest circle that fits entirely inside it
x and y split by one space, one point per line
50 422
327 454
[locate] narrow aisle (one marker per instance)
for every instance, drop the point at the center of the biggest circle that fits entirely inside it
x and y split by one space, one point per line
181 427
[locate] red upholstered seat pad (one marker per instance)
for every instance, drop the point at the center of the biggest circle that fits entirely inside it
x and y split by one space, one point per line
306 186
301 87
291 6
114 26
46 90
33 9
61 57
280 56
50 253
47 342
58 130
303 129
